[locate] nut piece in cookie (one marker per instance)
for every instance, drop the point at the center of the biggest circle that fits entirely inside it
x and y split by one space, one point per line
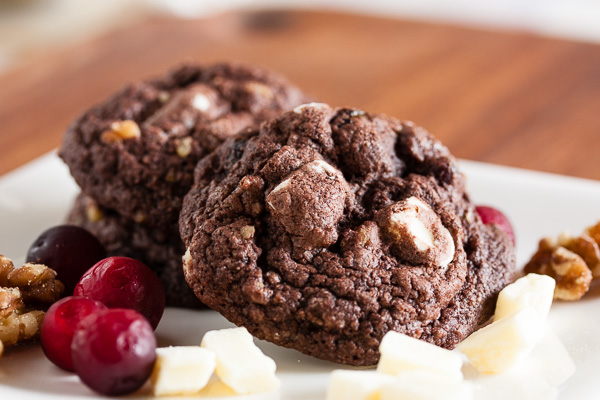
416 232
309 203
121 130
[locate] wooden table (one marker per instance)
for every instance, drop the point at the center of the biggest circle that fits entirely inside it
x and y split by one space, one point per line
505 98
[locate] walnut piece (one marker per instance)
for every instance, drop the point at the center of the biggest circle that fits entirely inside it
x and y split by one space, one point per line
93 212
24 293
569 269
10 301
259 89
6 266
19 327
573 261
247 231
594 232
139 216
121 130
38 284
184 147
585 247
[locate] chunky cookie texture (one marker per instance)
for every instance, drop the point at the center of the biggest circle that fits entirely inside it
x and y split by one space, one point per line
159 249
328 228
136 152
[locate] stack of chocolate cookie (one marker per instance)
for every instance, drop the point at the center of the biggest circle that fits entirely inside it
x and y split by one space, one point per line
134 156
320 229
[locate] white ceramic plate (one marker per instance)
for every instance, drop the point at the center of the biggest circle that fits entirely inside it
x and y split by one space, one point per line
39 195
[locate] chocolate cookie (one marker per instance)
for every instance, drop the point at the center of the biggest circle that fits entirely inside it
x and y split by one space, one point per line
159 249
136 152
330 227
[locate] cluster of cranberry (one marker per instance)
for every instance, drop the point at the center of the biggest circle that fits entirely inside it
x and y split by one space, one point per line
104 329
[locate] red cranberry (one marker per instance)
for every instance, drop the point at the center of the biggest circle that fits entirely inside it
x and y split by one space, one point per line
59 326
114 351
69 250
121 282
490 215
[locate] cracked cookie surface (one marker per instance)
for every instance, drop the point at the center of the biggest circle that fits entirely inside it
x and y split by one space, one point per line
136 152
326 228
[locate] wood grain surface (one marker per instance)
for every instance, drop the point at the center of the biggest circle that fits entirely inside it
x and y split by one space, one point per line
506 98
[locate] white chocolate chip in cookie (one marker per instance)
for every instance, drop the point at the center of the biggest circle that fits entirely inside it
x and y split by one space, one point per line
321 167
187 260
200 102
417 232
299 109
281 186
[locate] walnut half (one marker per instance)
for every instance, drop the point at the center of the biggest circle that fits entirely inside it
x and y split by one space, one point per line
569 270
24 293
572 261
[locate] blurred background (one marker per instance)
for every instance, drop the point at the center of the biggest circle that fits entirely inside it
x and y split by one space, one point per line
513 82
29 26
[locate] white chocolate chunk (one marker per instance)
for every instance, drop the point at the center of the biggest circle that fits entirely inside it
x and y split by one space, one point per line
182 370
551 359
418 232
281 186
425 385
241 365
355 385
403 353
215 389
422 236
301 107
502 344
521 382
322 167
200 102
532 290
319 166
187 260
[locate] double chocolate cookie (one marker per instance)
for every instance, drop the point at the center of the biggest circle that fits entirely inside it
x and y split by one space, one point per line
326 228
136 152
160 249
